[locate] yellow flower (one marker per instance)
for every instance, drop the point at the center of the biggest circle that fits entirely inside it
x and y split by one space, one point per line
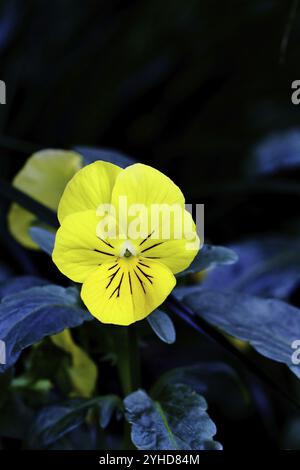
43 177
125 261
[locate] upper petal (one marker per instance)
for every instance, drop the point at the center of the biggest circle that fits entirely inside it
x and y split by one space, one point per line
89 188
142 184
124 291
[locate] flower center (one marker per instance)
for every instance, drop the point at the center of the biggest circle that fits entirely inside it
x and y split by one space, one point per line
128 250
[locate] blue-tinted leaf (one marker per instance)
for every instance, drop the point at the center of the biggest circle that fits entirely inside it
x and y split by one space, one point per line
107 406
269 325
19 283
92 154
162 326
5 272
210 256
32 314
176 420
268 267
206 378
55 421
43 238
277 152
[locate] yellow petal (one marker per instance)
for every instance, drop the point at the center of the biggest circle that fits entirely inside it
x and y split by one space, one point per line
89 188
78 251
127 290
144 185
176 253
83 371
43 177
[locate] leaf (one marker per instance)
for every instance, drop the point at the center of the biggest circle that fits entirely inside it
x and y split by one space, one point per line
92 154
82 371
269 325
43 238
32 314
176 420
210 256
55 421
19 283
107 406
206 378
268 267
162 326
277 152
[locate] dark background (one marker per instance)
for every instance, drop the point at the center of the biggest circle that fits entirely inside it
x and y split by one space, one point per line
189 86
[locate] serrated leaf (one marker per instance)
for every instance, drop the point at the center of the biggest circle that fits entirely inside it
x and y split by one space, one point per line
32 314
43 238
206 378
210 256
269 325
91 154
176 420
162 326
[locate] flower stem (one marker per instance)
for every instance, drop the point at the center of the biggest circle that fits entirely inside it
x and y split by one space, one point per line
128 359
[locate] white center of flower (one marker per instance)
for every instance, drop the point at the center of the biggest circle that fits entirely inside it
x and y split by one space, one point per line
128 250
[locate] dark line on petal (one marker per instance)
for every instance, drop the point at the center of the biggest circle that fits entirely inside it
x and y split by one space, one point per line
112 276
143 264
130 285
152 246
112 267
141 282
147 276
145 239
118 287
153 257
106 243
104 252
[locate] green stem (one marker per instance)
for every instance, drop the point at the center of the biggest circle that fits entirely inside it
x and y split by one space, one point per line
128 358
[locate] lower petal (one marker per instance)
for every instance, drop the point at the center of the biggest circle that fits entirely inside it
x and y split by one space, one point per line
126 291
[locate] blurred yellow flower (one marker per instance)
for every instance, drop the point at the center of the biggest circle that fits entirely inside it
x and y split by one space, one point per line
43 177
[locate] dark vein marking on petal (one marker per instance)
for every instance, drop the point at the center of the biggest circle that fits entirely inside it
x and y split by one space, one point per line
103 252
117 289
140 280
130 285
143 264
152 246
153 257
112 276
112 267
145 239
147 276
106 243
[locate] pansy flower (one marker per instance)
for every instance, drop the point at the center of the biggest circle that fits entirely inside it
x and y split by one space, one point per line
125 261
